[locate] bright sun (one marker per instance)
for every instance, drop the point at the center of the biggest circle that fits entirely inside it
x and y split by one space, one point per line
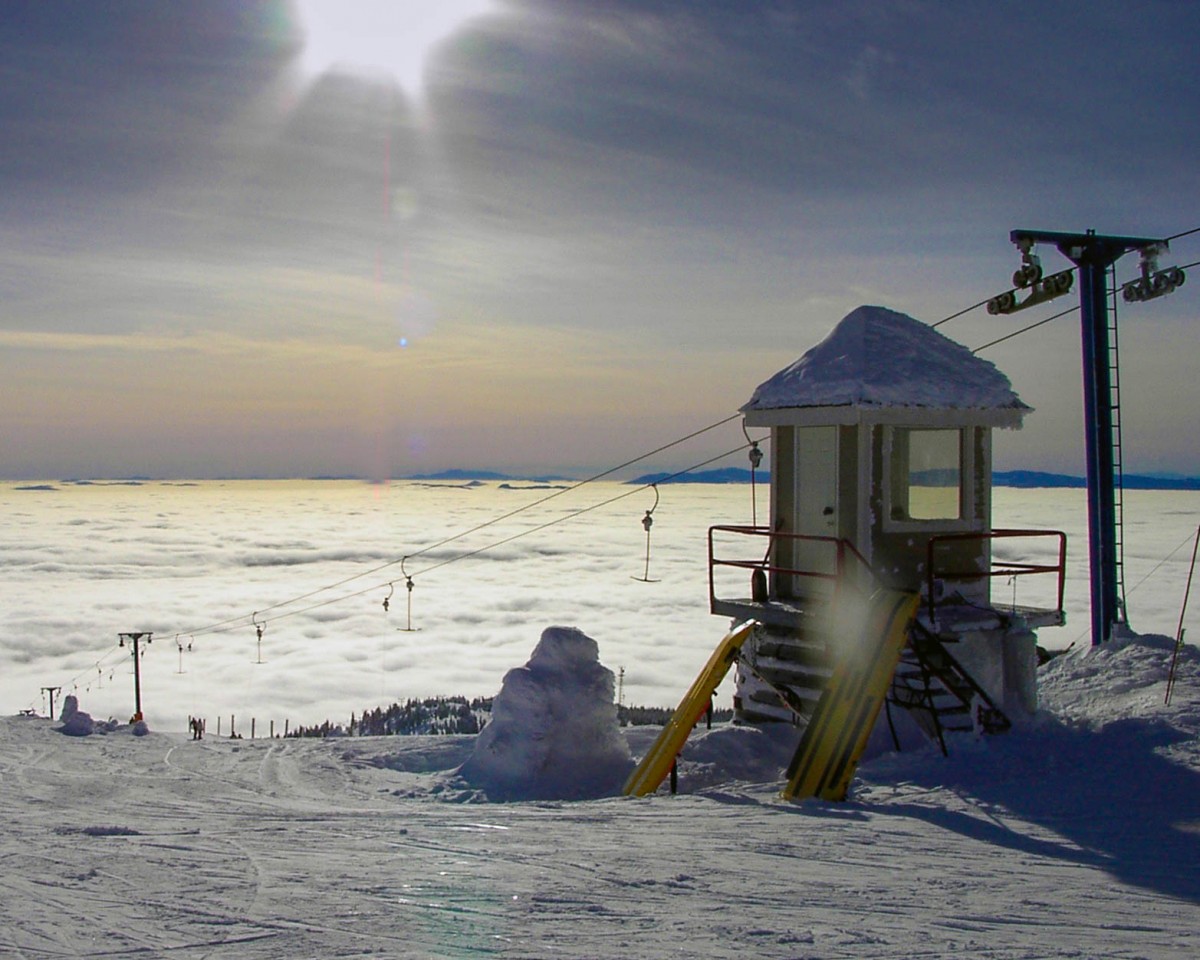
390 36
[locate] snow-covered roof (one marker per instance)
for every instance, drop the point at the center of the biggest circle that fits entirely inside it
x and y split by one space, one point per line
879 358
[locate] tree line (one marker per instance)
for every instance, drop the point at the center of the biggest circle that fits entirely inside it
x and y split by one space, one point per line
455 715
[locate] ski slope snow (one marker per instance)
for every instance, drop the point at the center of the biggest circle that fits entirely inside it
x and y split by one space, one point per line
1075 835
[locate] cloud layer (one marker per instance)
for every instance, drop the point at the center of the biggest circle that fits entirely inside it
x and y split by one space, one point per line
83 563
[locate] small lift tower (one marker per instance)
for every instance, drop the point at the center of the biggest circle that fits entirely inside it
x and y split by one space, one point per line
135 640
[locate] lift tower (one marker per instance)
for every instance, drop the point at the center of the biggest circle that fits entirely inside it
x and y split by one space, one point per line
1093 254
134 640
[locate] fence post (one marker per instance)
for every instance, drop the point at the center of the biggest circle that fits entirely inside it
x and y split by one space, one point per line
253 721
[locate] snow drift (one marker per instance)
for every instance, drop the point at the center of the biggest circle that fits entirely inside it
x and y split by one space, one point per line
77 723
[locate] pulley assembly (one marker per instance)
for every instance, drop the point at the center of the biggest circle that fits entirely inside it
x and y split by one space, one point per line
1029 277
1153 282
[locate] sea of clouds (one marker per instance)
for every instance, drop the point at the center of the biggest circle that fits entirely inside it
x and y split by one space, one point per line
85 562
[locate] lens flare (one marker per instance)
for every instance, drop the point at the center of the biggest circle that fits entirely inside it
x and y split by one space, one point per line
381 36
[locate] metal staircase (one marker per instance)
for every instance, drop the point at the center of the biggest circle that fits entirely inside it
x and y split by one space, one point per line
939 693
791 671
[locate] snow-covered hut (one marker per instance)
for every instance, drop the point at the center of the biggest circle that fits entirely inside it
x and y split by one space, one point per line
881 455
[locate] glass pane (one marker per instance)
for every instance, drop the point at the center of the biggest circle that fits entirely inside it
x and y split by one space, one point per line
934 474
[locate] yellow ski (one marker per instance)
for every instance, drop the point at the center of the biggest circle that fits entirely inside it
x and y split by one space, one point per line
837 732
656 764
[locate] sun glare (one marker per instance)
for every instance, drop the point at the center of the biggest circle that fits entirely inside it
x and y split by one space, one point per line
380 36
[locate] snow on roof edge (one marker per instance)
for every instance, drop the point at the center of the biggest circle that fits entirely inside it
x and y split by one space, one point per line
879 358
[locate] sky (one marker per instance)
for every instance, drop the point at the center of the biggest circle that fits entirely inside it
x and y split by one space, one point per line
256 239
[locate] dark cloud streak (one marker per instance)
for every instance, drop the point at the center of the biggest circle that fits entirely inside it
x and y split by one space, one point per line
105 100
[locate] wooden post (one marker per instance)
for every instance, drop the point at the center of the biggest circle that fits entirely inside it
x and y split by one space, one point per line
285 727
272 729
253 721
218 725
232 726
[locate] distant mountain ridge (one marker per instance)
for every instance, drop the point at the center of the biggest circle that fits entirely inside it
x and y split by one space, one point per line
461 475
1024 479
1131 481
723 475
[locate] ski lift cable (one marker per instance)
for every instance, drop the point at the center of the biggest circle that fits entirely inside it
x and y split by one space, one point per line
1075 309
242 619
583 510
975 306
962 312
1153 570
502 542
430 547
576 486
228 625
1032 326
1162 562
75 679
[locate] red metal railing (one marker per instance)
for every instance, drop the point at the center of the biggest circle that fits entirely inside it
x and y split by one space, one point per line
998 568
842 553
844 558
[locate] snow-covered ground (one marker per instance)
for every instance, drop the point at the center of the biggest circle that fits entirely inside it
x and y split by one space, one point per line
1076 835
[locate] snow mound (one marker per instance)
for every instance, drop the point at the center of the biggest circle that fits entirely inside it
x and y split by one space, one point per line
1123 679
75 723
878 357
554 733
736 753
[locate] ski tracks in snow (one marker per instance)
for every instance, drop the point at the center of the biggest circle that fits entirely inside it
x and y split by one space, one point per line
134 847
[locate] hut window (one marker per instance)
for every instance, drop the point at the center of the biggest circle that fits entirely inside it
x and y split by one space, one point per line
926 474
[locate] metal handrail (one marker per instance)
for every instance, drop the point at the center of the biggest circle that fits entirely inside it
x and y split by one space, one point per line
844 551
1002 568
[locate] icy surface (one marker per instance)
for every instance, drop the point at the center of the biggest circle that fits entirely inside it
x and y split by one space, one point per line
1076 835
879 357
553 733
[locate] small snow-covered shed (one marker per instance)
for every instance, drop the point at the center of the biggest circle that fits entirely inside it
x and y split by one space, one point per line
881 433
881 470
